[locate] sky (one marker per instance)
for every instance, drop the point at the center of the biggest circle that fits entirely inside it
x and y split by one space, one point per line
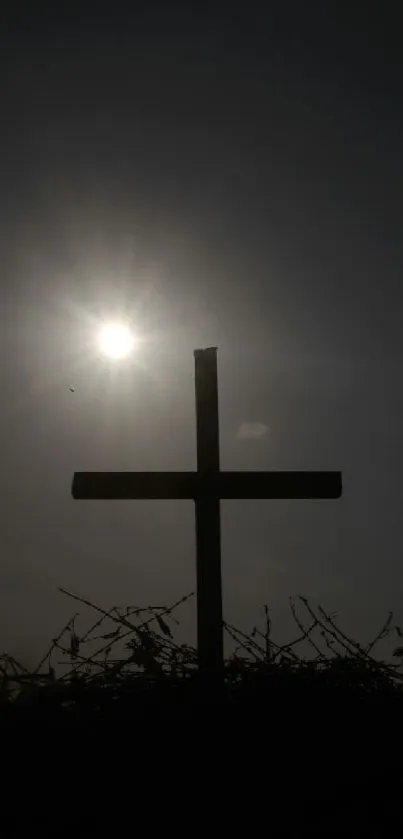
225 178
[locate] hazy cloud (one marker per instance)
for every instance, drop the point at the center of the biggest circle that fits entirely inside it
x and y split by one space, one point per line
249 430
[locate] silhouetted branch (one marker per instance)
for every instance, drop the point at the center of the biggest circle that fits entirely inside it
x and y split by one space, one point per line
145 653
381 634
305 632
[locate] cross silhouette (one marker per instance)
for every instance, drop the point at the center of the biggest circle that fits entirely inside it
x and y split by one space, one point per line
207 487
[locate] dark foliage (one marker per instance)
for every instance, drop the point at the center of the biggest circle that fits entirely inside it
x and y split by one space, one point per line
128 659
320 715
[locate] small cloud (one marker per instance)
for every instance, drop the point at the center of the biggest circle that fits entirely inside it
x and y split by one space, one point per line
251 430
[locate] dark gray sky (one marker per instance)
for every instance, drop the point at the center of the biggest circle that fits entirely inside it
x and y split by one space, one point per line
229 179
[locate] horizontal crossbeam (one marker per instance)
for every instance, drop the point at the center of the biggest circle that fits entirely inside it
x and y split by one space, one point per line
193 485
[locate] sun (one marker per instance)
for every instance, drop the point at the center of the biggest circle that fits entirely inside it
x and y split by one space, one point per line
116 340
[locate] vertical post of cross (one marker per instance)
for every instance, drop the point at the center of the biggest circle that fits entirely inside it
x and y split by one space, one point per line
208 525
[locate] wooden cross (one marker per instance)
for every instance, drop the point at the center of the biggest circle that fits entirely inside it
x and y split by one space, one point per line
206 488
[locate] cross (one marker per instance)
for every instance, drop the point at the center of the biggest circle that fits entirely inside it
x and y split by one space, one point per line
206 487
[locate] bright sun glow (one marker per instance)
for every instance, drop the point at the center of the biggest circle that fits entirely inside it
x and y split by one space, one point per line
116 340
